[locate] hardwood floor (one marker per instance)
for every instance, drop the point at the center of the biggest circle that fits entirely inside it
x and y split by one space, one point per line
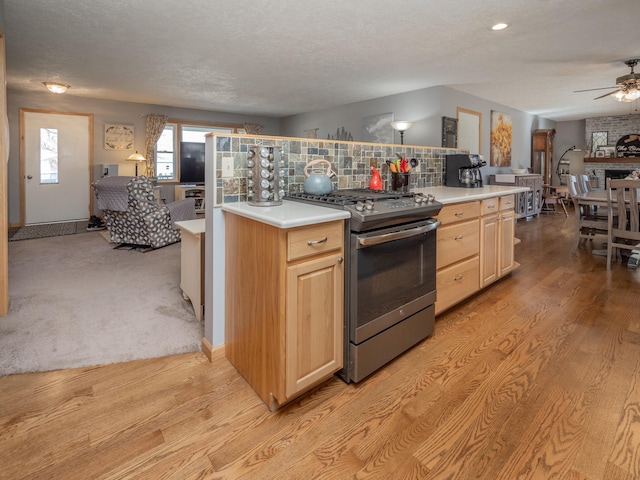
536 377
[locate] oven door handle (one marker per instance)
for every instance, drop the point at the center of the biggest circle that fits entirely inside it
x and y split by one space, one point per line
390 237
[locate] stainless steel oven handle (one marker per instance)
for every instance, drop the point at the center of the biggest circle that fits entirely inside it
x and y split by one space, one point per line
390 237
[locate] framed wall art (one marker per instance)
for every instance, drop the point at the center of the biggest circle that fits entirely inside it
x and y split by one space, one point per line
449 132
377 128
501 139
118 137
598 139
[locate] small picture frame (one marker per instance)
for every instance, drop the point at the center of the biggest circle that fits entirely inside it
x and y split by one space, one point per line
609 151
599 153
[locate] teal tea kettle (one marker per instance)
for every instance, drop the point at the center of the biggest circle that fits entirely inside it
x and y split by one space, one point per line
318 182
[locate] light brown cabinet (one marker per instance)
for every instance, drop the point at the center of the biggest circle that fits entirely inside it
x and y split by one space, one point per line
475 247
497 230
457 249
284 305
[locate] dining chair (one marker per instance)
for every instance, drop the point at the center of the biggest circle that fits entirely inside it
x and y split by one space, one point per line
550 199
623 232
585 184
578 184
587 224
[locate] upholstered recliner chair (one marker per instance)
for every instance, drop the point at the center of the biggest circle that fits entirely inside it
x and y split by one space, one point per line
134 217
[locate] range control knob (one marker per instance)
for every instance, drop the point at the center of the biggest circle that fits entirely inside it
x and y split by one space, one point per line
359 207
368 205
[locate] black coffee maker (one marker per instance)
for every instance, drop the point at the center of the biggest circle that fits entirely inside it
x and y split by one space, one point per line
463 170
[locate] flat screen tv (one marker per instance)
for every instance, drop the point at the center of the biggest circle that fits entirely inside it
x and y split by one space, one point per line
191 162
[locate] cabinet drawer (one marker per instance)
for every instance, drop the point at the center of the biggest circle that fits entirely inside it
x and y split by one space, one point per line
459 212
490 205
457 282
457 241
314 239
508 202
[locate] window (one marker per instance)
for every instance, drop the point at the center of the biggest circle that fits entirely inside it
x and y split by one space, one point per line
168 146
165 153
48 155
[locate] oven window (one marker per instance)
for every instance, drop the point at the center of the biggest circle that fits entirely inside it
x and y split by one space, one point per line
392 274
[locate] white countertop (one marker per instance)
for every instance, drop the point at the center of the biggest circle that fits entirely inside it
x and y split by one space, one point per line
192 226
297 214
447 195
288 215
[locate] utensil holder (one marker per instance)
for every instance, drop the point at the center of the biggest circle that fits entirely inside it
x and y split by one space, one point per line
400 182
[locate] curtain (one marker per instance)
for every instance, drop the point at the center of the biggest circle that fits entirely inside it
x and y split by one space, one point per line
155 126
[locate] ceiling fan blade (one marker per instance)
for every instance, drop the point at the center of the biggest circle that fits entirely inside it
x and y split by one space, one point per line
592 89
607 94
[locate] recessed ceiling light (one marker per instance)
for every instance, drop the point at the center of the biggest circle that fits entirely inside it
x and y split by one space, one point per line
499 26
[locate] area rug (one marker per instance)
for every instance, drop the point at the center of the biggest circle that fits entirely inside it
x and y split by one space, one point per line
45 230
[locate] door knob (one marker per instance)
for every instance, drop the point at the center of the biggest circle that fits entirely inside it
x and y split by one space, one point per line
29 177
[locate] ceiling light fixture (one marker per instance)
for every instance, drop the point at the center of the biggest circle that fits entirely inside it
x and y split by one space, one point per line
401 126
630 94
56 87
499 26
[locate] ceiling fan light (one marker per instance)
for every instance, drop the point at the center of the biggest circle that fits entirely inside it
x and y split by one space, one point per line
632 94
619 95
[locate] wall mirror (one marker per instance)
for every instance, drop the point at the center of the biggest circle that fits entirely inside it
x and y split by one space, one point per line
469 130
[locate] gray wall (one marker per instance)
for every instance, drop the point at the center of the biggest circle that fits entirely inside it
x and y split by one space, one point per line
105 111
569 134
425 108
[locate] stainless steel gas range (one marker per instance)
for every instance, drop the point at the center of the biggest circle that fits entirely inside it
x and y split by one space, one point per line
390 253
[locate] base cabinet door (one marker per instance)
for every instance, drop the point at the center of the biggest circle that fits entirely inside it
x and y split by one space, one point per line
284 296
489 249
313 337
507 236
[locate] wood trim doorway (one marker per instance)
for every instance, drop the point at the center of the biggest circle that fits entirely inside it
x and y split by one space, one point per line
22 173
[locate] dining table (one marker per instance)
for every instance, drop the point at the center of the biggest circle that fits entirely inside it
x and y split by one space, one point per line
597 199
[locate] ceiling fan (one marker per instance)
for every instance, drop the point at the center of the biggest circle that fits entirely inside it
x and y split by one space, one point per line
627 87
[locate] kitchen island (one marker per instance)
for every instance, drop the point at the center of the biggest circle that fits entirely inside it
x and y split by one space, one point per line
285 280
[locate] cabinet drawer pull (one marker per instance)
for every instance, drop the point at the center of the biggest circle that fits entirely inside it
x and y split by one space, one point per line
491 206
316 242
458 237
459 214
458 277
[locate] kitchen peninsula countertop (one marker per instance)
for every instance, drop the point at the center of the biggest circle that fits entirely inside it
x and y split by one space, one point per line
288 215
447 195
297 214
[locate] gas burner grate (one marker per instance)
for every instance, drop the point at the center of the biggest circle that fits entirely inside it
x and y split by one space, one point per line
350 196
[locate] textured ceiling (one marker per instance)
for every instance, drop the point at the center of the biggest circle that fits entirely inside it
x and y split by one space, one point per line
282 57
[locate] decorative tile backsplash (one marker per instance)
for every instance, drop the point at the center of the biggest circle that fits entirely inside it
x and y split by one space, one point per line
352 162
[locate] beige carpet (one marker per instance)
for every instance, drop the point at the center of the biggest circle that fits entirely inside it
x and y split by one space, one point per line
75 301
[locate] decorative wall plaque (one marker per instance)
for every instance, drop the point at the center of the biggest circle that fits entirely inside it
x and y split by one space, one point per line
118 137
628 146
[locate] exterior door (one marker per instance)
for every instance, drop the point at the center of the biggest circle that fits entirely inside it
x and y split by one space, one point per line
57 163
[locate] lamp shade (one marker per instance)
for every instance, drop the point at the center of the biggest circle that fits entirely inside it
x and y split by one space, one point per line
136 157
401 125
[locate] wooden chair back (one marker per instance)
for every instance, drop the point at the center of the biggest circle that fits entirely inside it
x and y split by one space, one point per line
623 226
585 183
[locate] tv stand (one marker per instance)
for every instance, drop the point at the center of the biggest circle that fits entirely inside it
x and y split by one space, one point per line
192 191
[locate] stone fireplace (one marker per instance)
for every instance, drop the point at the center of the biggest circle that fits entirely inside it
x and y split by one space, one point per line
610 168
